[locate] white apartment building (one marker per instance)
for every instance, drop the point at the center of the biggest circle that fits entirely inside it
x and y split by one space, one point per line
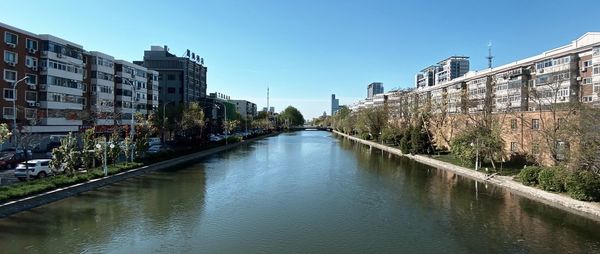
60 86
102 87
131 91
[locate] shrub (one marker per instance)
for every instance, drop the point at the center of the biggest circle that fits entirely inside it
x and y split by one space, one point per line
529 175
365 136
552 179
583 185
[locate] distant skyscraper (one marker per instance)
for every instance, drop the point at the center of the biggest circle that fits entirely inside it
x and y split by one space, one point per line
374 88
335 104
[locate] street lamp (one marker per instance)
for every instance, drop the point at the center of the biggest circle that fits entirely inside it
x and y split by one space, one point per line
106 146
15 108
225 118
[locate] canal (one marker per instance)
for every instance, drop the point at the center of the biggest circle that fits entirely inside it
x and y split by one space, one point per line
303 192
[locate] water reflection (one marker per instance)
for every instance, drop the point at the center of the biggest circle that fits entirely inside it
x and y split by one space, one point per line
303 192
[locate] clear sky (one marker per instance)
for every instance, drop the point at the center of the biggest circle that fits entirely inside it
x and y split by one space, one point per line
306 50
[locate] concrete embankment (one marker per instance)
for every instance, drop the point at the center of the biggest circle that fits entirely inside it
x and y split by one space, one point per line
587 209
27 203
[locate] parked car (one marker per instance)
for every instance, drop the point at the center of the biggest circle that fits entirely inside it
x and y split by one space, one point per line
154 141
215 138
35 168
9 158
158 148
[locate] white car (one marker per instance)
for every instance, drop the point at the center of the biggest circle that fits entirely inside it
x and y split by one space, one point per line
37 168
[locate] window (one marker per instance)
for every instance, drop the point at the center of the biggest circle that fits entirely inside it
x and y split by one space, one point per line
587 98
10 76
32 79
596 69
9 94
171 89
8 113
31 44
514 146
10 57
587 63
31 96
596 88
513 124
31 62
535 149
535 124
587 81
10 38
30 113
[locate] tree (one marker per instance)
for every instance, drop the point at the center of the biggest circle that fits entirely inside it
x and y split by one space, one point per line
67 156
372 121
4 132
127 147
113 153
88 145
231 125
473 140
192 120
293 116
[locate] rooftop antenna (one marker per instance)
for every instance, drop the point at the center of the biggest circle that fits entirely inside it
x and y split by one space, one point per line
490 57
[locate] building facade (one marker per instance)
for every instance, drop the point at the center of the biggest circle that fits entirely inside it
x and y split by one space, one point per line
335 104
182 79
373 89
246 109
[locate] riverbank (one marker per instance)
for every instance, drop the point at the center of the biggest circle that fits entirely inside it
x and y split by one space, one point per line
586 209
33 201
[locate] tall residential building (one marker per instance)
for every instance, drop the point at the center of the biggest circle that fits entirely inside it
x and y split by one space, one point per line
335 104
246 109
21 53
61 85
131 91
451 68
444 71
182 79
373 89
100 75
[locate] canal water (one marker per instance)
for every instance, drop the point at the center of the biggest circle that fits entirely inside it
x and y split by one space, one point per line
303 192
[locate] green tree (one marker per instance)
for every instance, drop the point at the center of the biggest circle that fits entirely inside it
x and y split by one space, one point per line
113 153
127 147
88 145
371 121
66 156
4 132
192 120
292 115
486 142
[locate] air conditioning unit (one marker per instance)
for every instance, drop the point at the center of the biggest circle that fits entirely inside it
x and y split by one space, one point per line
32 87
583 69
10 45
578 78
59 55
541 70
562 98
11 64
37 104
31 104
32 51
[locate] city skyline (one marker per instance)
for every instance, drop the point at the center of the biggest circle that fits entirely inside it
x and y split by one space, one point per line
306 52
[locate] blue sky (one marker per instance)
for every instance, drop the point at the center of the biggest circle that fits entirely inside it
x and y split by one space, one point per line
306 50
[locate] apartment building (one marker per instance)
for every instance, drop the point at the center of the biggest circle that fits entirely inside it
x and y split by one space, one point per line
426 77
20 58
100 102
246 109
335 104
374 89
451 68
131 91
182 79
61 85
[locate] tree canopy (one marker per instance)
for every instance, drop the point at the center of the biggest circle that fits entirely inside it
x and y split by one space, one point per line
292 115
